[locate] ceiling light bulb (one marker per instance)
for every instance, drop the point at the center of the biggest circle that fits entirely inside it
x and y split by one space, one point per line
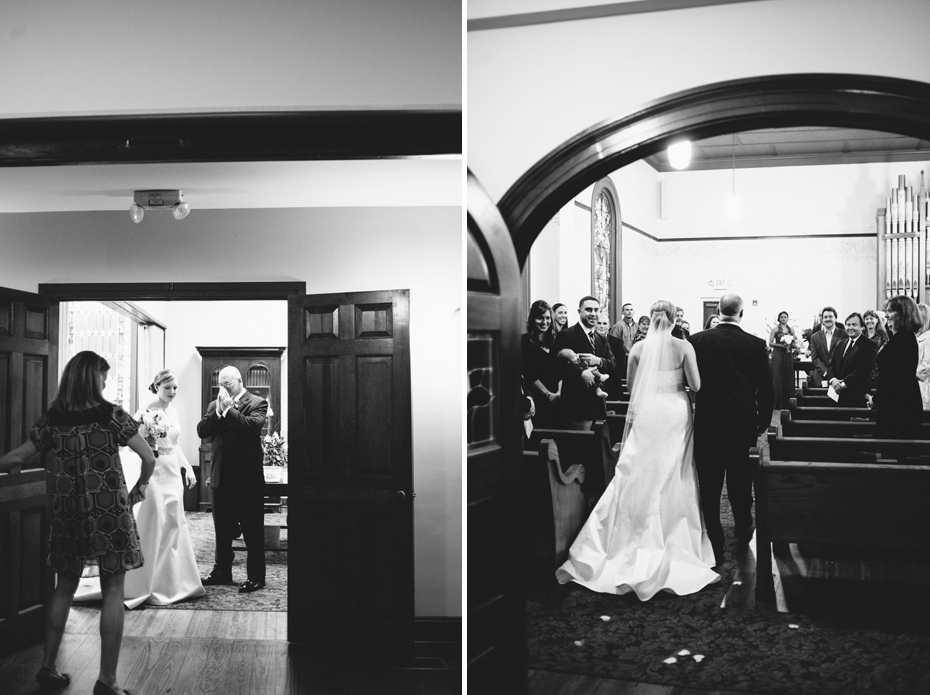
136 213
181 210
679 154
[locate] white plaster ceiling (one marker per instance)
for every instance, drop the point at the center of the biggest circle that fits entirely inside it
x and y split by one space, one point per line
413 182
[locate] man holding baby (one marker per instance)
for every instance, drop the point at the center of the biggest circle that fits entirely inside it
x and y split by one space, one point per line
234 423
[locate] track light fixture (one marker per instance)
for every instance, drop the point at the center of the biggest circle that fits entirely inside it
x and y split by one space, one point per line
158 200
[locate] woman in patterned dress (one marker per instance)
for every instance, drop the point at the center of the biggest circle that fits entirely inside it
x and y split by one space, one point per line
92 519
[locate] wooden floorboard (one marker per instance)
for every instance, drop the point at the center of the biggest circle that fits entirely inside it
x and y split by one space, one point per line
216 652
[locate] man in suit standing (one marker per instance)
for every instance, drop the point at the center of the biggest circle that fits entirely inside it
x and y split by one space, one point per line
822 345
580 404
732 408
234 423
852 364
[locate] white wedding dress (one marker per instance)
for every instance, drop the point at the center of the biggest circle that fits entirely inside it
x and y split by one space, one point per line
169 573
646 533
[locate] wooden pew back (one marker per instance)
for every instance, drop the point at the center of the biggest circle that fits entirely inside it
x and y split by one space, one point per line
847 449
867 506
592 449
789 427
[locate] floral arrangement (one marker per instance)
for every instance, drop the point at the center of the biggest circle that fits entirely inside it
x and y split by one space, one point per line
154 426
275 449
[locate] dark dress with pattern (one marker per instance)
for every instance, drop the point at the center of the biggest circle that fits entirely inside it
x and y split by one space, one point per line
92 519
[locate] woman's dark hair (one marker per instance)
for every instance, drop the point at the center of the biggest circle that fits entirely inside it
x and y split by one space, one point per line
709 319
779 315
908 314
538 309
79 388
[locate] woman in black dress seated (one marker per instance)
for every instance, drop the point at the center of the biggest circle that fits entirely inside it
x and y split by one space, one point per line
897 403
539 372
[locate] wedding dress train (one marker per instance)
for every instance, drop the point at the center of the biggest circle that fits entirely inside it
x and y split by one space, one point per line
646 533
169 573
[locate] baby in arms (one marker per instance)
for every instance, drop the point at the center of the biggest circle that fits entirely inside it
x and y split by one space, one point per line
571 357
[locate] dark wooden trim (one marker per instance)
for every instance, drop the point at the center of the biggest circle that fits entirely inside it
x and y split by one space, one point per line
639 231
229 137
169 291
776 101
579 204
613 9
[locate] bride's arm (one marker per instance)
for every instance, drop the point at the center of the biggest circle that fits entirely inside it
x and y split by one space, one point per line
692 375
632 365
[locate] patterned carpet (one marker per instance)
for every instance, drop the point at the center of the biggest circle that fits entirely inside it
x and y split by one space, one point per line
227 598
756 650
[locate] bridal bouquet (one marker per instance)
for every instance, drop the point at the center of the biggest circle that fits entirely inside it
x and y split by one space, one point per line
154 426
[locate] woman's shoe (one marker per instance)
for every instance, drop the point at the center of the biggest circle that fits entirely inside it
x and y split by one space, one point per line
101 688
49 680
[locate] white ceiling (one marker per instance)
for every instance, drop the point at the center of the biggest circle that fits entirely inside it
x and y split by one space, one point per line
413 182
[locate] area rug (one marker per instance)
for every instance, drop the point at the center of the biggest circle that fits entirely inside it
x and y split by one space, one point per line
227 598
692 642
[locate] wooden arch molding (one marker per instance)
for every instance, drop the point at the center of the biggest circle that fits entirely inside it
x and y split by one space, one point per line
776 101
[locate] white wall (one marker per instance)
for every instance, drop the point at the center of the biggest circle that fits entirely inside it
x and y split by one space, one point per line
623 63
59 57
214 324
332 250
697 253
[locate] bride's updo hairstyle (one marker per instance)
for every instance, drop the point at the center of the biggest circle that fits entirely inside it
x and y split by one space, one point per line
663 314
160 378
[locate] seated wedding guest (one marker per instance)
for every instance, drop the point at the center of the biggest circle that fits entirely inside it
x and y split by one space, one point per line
781 329
170 572
642 326
874 331
852 365
711 321
897 402
539 368
580 405
85 432
822 345
923 355
559 317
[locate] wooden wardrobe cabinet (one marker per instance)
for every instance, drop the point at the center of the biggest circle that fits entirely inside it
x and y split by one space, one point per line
261 375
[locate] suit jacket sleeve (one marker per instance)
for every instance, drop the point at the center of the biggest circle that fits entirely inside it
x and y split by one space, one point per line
209 425
765 391
251 422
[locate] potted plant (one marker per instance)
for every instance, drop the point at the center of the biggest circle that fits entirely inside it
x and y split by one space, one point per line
274 447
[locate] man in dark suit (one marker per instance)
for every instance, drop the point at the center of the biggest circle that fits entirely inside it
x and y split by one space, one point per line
581 406
732 408
852 364
823 344
234 423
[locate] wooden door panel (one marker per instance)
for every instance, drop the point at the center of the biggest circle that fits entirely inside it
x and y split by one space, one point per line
496 648
351 473
28 379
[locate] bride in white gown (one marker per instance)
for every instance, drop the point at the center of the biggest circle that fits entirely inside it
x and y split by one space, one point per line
646 533
169 573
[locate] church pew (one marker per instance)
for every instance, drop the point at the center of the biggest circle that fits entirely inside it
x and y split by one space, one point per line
789 427
873 508
615 425
808 390
593 449
846 449
556 507
835 412
618 407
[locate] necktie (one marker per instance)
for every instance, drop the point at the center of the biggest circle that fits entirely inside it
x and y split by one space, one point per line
591 338
845 352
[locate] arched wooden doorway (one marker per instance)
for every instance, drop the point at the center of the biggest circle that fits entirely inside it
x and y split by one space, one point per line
854 101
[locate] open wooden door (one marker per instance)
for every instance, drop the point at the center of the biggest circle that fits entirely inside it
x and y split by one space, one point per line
28 379
350 561
496 594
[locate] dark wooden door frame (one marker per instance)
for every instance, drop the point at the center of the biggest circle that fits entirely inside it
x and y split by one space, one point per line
776 101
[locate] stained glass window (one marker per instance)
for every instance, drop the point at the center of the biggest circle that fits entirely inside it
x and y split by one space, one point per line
604 237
